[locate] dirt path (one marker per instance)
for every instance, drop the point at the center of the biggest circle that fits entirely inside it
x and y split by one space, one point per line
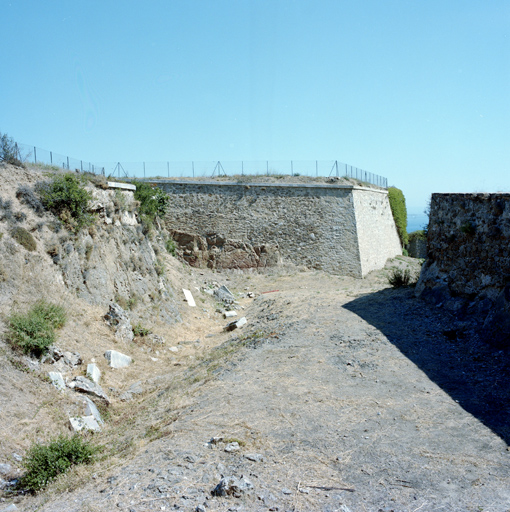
345 396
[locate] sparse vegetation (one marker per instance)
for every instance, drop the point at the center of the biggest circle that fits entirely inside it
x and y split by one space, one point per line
399 278
34 331
399 211
139 330
43 463
26 195
9 152
24 238
66 198
171 247
153 201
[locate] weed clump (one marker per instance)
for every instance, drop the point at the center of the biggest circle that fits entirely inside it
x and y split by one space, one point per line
67 199
400 278
153 201
26 195
171 247
43 463
34 331
24 238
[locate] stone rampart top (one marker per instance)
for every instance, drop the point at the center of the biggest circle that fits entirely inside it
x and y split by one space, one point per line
263 184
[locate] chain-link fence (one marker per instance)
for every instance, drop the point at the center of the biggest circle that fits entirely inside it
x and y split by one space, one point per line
169 169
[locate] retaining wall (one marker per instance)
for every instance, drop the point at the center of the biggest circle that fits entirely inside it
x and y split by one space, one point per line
468 259
337 228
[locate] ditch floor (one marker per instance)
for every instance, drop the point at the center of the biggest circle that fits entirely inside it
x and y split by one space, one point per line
342 395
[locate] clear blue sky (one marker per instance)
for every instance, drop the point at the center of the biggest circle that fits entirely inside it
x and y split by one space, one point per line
417 91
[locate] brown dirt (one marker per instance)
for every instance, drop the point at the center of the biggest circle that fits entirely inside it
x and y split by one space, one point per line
359 398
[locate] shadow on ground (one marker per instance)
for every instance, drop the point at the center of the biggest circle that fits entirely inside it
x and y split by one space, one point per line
474 374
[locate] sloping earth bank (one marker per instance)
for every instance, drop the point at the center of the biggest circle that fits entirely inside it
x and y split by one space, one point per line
343 395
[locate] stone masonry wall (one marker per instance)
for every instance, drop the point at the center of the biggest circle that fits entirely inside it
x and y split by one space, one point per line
319 226
468 259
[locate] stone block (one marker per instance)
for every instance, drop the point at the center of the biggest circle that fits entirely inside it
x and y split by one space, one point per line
93 373
117 359
92 410
57 380
189 298
84 423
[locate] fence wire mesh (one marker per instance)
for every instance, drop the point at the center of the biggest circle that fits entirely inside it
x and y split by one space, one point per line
316 168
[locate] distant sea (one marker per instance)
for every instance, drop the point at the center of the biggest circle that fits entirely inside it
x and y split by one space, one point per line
416 221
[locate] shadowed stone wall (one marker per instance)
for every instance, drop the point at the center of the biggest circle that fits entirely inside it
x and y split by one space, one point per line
468 259
337 228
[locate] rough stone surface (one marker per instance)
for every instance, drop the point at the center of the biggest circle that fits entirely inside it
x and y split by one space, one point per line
87 386
119 320
117 359
84 423
468 260
353 228
232 486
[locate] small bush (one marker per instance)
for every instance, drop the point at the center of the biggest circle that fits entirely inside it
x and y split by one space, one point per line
43 463
417 235
171 247
153 201
399 278
139 330
24 238
34 331
26 195
9 152
399 211
65 197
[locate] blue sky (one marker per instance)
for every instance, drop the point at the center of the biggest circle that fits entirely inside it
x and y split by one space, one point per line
417 91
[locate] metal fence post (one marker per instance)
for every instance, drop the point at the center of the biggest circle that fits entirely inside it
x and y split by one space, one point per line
316 168
168 168
267 167
144 169
67 163
193 169
242 168
51 158
35 155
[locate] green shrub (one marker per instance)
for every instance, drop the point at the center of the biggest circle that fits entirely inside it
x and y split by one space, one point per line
171 247
24 238
153 201
139 330
399 211
43 463
34 331
9 152
65 197
417 235
399 278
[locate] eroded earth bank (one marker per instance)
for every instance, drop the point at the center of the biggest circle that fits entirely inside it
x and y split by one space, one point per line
345 395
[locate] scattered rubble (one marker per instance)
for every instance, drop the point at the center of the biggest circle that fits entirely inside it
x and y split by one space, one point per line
119 320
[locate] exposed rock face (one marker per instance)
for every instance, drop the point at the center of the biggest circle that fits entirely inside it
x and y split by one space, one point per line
468 260
216 251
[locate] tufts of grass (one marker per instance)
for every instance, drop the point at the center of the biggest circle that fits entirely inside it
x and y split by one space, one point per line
34 331
24 238
171 247
399 278
43 463
139 330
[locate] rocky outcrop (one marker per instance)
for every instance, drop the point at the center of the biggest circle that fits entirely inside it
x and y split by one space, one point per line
217 252
468 260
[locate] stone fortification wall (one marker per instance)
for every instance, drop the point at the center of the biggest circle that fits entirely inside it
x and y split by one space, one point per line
336 228
468 259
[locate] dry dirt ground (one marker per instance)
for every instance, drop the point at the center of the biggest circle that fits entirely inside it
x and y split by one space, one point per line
343 395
